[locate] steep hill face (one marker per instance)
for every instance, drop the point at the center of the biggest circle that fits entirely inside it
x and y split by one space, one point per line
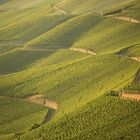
78 54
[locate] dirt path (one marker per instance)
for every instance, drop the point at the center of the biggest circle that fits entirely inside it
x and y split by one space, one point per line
124 18
83 51
59 10
37 99
136 58
129 19
130 96
52 106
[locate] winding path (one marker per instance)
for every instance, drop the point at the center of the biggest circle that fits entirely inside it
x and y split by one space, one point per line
37 99
83 51
52 106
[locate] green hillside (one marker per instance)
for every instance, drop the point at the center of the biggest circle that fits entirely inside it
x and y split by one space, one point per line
44 49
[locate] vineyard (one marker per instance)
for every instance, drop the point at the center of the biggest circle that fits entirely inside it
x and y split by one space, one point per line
74 56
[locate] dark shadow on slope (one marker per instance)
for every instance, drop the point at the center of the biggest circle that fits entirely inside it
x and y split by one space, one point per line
49 115
137 78
120 10
124 51
21 59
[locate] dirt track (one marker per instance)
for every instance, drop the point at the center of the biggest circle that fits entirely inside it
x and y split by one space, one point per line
136 58
37 99
124 18
83 50
131 96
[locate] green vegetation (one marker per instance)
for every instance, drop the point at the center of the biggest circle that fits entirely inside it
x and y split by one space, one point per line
107 116
17 115
35 58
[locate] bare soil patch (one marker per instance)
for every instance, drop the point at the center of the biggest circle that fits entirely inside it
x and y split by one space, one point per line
130 95
136 58
124 18
37 99
83 50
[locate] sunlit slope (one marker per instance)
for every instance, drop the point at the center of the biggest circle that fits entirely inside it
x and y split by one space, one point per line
111 36
21 25
17 13
95 6
17 34
57 82
132 11
18 115
27 28
105 118
134 50
24 4
65 34
35 58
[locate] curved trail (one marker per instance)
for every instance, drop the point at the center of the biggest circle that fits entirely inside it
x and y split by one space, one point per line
59 10
130 95
83 51
52 106
37 99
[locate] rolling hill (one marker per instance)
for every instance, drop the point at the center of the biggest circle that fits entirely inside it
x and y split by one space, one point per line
44 49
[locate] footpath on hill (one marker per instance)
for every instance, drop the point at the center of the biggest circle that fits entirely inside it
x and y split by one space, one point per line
52 106
130 95
37 99
83 51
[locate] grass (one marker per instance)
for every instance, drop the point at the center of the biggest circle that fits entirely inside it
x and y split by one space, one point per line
64 35
14 118
35 58
22 29
105 118
100 6
109 36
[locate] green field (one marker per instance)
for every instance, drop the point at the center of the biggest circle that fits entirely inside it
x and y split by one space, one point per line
36 38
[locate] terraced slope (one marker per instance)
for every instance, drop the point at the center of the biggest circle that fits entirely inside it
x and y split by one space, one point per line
38 55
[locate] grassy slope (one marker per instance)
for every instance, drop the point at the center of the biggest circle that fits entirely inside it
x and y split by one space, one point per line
66 34
14 118
12 63
71 79
96 6
105 118
111 36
